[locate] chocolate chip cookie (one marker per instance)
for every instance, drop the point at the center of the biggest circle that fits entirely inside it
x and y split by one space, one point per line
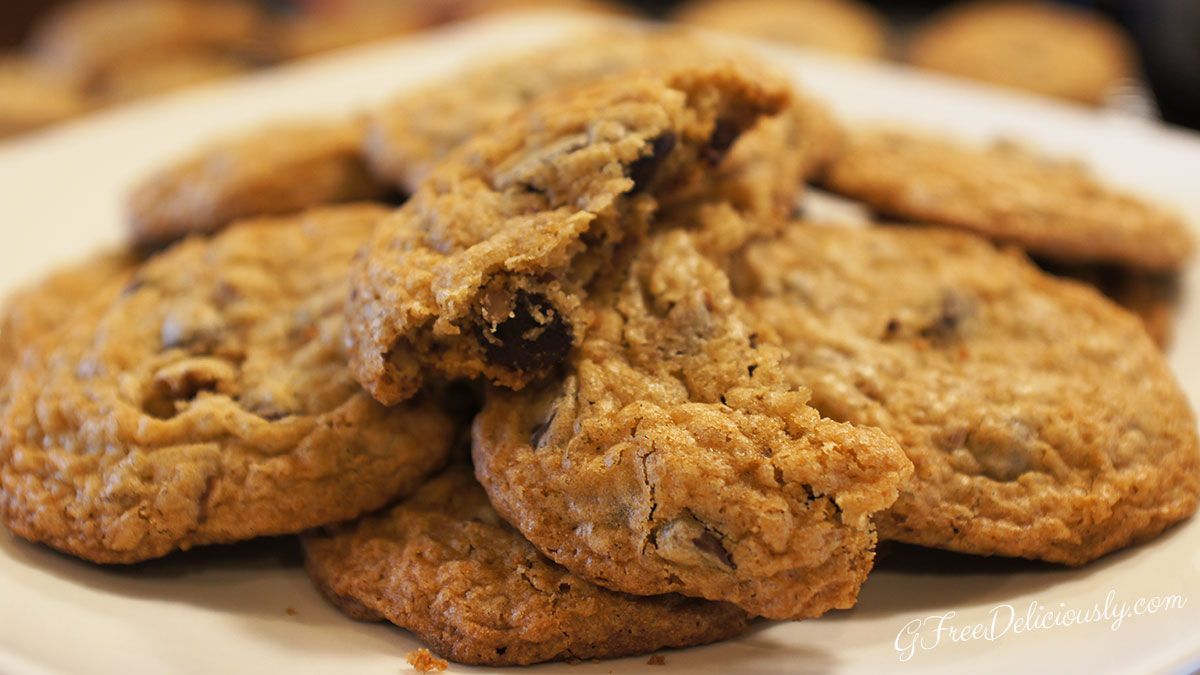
408 135
1048 48
41 308
669 455
1053 209
206 399
1041 420
443 565
842 26
275 170
479 274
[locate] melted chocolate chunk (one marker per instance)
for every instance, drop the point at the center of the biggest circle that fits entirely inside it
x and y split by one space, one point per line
534 338
712 546
723 136
643 169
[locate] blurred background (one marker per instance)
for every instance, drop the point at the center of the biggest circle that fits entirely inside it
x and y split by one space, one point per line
61 58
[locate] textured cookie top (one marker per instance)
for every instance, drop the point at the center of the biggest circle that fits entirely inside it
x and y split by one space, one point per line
443 565
479 274
274 170
40 309
407 136
671 456
844 26
1043 47
1055 209
208 400
1041 420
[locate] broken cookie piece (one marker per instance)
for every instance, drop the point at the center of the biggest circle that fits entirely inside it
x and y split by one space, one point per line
481 273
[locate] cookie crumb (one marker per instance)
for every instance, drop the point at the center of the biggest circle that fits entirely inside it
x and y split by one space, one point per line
424 662
657 660
290 611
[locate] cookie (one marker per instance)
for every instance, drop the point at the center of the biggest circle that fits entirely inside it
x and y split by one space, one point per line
843 26
87 38
465 9
274 170
1053 209
1041 420
479 274
1152 297
326 26
408 135
41 308
206 399
161 74
669 455
31 98
443 565
1047 48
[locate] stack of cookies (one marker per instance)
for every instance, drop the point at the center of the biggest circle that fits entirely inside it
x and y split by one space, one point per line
542 363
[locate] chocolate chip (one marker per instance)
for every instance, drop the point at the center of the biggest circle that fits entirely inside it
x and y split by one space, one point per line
946 325
712 546
535 439
892 329
725 132
643 169
394 197
534 338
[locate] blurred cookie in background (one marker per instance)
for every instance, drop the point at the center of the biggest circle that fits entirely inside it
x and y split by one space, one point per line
147 77
317 27
87 39
32 98
843 26
1050 49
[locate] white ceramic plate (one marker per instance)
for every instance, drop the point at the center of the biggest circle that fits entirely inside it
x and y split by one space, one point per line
250 608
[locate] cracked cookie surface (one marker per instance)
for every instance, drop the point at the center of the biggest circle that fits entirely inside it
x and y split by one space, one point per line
1040 419
206 399
408 135
1053 209
444 565
273 170
670 456
480 274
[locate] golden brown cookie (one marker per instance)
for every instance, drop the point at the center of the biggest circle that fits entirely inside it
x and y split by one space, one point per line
327 26
1044 47
844 26
669 455
272 170
30 97
206 399
480 274
408 135
40 309
443 565
164 73
1041 420
1053 209
85 39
